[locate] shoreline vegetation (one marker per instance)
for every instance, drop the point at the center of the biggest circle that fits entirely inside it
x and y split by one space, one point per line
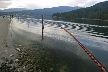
63 19
60 18
98 11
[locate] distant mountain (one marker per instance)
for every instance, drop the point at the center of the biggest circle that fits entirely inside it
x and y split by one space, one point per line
97 11
50 11
13 9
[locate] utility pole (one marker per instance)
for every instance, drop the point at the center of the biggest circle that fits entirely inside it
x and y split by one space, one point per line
42 27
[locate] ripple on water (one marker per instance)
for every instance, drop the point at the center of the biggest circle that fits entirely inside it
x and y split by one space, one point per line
79 30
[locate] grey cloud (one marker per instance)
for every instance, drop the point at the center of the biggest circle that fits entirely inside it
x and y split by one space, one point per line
4 3
84 3
31 6
88 3
76 2
5 0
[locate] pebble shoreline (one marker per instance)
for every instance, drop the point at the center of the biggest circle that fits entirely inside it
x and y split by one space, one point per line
24 62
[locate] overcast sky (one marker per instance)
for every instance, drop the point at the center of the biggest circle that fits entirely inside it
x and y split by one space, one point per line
36 4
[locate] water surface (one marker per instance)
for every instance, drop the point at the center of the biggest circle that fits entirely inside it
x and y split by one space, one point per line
64 52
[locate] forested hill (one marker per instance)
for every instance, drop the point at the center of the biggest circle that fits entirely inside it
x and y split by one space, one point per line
48 11
97 11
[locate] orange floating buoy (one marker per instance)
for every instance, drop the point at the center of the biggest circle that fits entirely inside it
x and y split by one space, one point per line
82 46
85 49
92 57
95 61
103 69
99 65
87 52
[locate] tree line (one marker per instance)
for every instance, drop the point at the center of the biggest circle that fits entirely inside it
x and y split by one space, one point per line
97 11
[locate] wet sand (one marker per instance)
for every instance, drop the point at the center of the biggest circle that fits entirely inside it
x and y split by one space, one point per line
7 51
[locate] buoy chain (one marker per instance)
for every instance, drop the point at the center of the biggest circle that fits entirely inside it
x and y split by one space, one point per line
85 49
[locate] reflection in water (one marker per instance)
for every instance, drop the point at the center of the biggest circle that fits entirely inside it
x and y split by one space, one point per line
99 26
63 51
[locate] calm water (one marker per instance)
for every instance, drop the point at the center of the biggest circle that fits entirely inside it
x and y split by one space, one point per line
65 54
100 28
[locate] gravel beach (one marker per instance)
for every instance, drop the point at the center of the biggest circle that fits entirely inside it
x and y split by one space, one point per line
7 51
13 56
